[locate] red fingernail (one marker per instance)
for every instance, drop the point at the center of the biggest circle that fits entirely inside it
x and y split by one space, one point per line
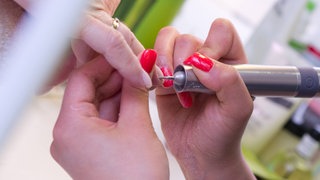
199 61
148 59
185 99
167 72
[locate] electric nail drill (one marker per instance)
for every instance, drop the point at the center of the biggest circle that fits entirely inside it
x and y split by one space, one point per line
261 80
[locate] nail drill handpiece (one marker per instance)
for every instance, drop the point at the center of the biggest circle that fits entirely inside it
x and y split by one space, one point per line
261 80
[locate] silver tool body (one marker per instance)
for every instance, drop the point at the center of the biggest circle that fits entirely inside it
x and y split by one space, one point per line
261 80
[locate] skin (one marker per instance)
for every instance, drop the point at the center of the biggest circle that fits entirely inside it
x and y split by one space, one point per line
10 14
205 138
95 37
98 134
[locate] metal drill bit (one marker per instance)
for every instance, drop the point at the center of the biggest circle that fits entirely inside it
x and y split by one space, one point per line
178 78
166 77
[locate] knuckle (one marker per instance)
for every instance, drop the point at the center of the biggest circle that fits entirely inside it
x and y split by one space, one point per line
230 75
165 30
130 37
86 27
76 74
116 42
63 133
188 42
184 38
58 133
53 151
111 6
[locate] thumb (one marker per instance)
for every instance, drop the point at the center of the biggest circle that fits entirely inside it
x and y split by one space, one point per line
225 81
134 108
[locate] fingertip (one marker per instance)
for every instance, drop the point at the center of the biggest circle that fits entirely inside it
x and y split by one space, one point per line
167 72
185 99
148 59
146 80
199 61
223 22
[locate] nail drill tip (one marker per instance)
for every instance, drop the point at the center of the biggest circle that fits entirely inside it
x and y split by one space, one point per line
166 77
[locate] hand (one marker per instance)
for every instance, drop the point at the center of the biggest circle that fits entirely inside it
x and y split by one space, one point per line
97 36
104 130
204 131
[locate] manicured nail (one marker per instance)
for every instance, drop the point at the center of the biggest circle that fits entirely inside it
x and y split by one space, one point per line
146 80
148 59
167 72
185 99
199 61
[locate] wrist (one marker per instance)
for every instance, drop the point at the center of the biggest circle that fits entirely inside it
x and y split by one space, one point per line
233 167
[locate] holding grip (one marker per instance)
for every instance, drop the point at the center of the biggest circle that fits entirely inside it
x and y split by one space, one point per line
261 80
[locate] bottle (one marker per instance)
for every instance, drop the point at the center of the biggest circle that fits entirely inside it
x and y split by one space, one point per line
268 118
303 20
286 139
275 27
297 163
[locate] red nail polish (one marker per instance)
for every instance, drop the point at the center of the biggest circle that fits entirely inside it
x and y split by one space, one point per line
199 61
148 59
185 99
167 72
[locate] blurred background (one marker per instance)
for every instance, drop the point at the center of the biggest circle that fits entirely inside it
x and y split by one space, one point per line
278 32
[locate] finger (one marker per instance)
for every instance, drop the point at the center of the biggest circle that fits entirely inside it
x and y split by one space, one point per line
109 110
109 87
137 98
112 45
109 6
185 45
80 94
223 43
108 97
164 45
131 39
148 59
128 35
230 89
156 82
82 51
134 108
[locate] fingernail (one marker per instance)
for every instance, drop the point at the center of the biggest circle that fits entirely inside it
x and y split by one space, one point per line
148 59
185 99
199 61
166 72
146 80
